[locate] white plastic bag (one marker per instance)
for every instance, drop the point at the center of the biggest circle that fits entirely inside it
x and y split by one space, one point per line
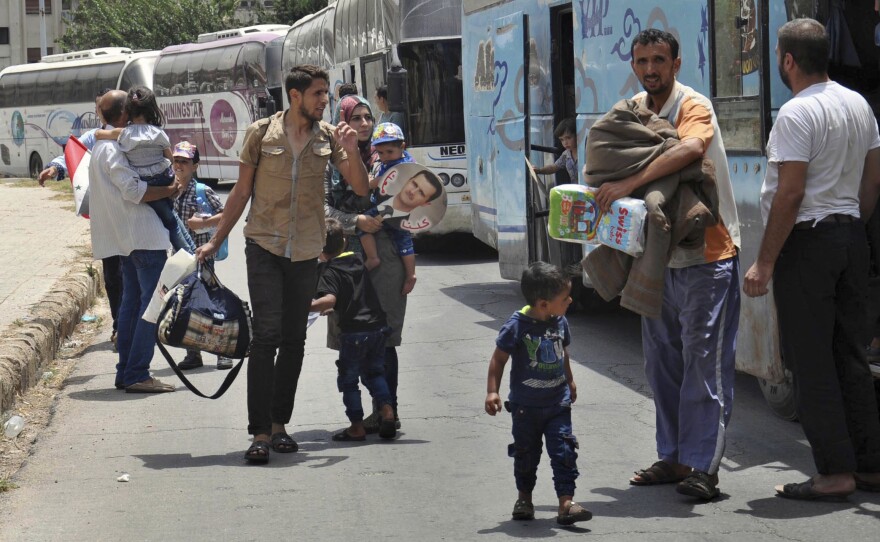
176 268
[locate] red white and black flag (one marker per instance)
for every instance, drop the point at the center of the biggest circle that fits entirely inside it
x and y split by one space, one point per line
77 157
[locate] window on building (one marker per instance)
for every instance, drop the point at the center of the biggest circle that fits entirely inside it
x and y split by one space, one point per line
32 7
4 35
33 54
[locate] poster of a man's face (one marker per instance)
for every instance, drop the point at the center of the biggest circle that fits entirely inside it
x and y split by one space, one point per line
411 198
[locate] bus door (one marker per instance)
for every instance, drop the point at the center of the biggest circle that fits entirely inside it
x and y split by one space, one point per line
201 136
499 141
372 77
498 136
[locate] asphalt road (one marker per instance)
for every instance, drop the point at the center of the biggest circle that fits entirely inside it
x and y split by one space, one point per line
447 476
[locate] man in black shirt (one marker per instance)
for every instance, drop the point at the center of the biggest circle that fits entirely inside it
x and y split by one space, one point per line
344 287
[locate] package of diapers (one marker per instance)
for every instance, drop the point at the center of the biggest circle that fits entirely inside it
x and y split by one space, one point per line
574 217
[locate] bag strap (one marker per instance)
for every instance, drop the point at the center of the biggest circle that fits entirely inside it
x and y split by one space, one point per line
223 387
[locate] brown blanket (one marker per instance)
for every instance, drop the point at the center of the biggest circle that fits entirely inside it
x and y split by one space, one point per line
680 206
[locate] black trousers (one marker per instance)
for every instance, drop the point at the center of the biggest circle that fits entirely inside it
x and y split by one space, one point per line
281 293
820 283
113 285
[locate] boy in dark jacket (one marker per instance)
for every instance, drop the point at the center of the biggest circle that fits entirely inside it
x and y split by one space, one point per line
344 287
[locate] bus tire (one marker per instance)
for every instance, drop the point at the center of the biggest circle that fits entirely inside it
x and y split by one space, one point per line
781 397
35 165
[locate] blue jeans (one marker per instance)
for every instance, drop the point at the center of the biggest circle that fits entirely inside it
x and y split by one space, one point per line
362 355
554 424
177 230
136 338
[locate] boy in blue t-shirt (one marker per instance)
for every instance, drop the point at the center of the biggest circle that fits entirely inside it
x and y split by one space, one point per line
542 390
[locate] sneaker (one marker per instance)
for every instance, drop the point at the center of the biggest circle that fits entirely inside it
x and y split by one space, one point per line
224 363
113 340
193 360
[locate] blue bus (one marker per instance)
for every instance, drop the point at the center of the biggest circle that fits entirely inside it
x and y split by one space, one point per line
531 63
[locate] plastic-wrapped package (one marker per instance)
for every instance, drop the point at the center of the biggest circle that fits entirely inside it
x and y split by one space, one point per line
574 217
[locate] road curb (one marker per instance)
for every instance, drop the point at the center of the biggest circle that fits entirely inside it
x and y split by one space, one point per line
28 346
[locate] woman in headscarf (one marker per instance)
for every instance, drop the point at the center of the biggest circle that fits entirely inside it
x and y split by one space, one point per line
344 205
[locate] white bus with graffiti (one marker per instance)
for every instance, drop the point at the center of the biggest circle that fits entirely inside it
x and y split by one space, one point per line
531 63
211 91
356 41
43 103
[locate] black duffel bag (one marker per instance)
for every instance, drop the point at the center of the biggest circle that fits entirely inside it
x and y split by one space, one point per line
202 314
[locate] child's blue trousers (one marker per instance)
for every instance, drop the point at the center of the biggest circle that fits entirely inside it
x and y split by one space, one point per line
554 425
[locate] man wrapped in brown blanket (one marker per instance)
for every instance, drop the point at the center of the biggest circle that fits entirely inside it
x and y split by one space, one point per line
680 205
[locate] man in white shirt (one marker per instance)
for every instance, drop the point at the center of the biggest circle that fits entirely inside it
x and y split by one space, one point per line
121 226
823 177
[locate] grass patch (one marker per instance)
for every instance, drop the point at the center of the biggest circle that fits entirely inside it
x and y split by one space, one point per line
6 485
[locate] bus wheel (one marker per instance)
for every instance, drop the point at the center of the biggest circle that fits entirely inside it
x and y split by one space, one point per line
780 396
35 166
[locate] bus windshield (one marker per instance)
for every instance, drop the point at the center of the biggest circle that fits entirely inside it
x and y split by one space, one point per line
436 103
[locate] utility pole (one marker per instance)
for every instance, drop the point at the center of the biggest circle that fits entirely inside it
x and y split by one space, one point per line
43 49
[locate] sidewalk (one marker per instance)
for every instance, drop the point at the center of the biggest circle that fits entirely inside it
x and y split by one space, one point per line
46 279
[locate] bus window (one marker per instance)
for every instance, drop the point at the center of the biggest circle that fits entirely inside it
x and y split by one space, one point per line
207 75
85 87
435 110
737 50
43 90
24 88
255 72
7 89
139 72
226 73
365 29
65 82
108 77
193 68
162 77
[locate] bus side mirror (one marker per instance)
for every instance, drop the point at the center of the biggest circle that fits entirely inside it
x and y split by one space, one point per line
396 81
271 109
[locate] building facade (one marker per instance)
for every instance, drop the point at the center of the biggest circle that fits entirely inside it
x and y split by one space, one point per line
20 22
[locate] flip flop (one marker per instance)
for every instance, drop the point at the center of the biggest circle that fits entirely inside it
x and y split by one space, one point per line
574 513
660 472
283 443
804 492
345 436
258 452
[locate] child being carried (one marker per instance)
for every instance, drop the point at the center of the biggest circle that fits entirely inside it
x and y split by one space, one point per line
148 150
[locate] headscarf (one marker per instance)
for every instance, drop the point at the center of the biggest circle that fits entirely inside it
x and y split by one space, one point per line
344 109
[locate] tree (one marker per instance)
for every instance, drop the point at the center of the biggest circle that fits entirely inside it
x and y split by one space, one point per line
294 10
154 24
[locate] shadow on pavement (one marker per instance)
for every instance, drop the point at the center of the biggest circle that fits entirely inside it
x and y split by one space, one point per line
108 394
536 528
780 508
236 459
317 440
